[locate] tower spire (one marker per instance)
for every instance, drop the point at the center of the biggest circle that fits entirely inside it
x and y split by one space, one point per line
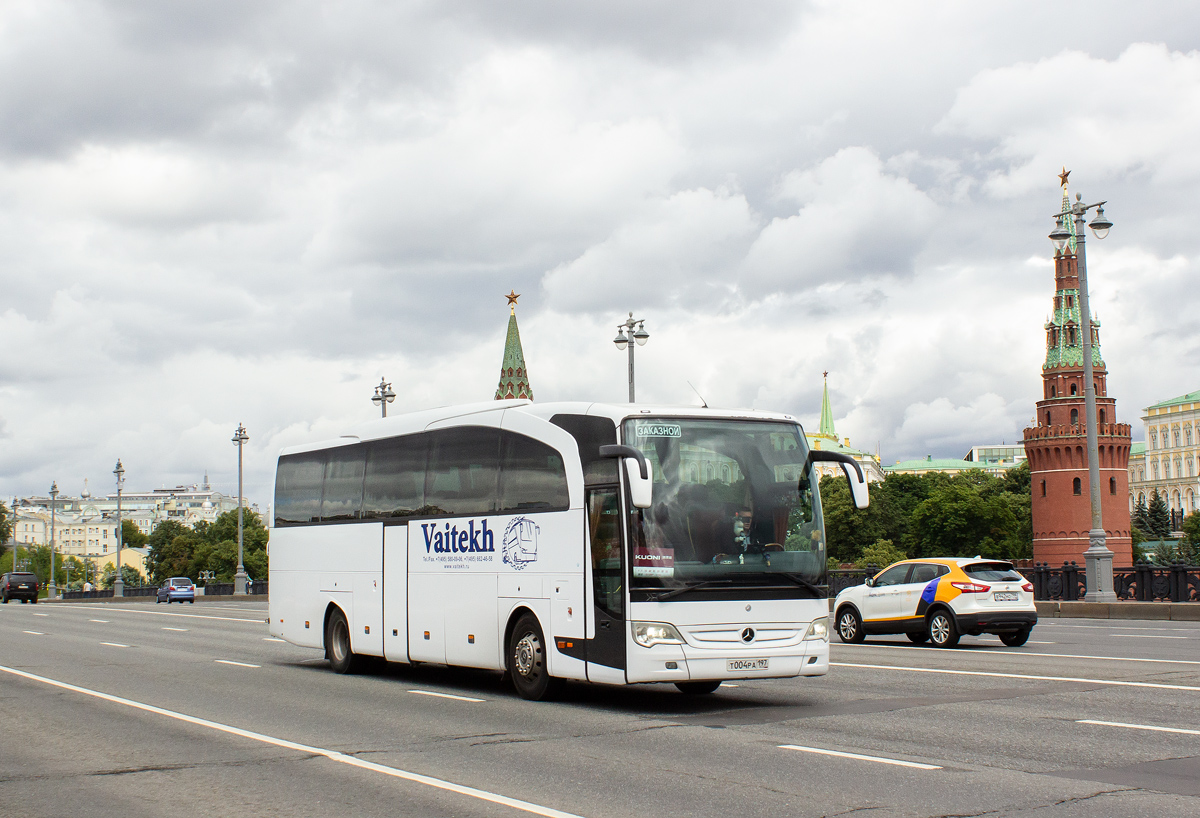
514 378
826 429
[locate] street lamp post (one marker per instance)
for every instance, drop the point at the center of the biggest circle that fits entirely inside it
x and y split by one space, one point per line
1098 559
239 579
637 337
119 582
52 589
383 395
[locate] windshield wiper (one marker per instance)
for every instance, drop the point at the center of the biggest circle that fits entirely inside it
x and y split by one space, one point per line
708 583
802 582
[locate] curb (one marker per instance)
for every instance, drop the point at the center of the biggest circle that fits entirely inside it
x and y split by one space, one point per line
1164 611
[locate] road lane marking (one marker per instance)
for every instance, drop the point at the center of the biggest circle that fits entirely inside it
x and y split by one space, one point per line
727 684
114 644
1016 652
1143 636
307 749
1035 642
41 614
1113 627
447 696
1140 727
231 662
1114 682
35 633
180 630
273 639
188 616
858 757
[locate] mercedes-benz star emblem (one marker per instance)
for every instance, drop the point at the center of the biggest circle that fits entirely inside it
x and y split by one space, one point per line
748 635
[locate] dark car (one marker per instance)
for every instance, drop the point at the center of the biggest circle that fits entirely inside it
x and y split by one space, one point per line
177 589
19 585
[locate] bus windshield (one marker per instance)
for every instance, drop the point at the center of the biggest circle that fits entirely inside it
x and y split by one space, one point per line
731 507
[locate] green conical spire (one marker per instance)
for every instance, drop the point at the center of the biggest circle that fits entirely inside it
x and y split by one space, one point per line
514 378
827 429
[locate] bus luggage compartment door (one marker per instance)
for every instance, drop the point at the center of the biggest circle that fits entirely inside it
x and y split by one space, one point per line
395 593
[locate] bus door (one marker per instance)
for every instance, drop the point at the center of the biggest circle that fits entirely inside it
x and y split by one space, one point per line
395 593
606 650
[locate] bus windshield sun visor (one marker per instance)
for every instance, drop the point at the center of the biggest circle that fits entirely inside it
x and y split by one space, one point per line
856 479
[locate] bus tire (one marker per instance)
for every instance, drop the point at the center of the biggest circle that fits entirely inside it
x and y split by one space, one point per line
527 665
337 643
697 688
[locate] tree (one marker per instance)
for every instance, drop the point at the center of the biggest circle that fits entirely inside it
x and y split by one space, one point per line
6 525
881 554
131 535
1141 518
1189 546
131 576
162 550
963 518
1158 518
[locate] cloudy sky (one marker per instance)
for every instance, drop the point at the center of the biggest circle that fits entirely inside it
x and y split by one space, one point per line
219 212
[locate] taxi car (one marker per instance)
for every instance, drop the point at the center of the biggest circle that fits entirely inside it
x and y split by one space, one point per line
939 599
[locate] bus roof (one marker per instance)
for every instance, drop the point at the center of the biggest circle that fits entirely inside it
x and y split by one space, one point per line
489 413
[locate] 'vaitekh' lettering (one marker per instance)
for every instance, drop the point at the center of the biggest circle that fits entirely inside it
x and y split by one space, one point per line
451 540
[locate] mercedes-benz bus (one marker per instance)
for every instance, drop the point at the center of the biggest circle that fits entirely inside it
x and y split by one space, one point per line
609 543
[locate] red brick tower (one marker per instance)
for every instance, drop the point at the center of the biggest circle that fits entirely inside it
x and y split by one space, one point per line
1057 445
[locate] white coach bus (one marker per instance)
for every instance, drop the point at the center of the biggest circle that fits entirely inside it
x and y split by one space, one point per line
506 535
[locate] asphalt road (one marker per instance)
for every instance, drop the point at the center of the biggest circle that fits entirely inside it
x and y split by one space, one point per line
133 709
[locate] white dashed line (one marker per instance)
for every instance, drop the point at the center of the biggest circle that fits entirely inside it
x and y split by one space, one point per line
114 644
98 620
332 755
273 639
35 633
231 662
858 757
446 696
41 614
727 684
1140 727
1143 636
1018 652
1113 682
180 630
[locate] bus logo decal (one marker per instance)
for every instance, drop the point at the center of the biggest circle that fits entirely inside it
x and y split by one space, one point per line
456 541
520 542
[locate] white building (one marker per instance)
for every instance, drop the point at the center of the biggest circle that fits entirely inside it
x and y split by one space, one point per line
1169 459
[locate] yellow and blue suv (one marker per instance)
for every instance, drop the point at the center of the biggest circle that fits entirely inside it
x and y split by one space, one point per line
939 599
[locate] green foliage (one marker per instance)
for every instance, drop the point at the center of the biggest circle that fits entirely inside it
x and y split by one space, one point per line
933 514
1189 546
179 551
6 524
1158 517
881 554
131 576
131 535
1140 519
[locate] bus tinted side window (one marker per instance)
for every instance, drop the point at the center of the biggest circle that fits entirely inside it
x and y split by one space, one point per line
395 477
298 488
591 433
533 476
463 474
343 492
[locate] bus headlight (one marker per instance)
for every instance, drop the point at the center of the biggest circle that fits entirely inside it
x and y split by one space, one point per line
819 629
648 634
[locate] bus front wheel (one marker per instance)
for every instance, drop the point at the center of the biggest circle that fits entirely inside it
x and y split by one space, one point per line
527 661
697 688
337 643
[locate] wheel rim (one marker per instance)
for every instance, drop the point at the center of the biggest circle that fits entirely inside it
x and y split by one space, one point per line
338 643
525 655
847 626
939 629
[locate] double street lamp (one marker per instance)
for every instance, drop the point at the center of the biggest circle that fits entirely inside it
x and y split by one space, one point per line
119 583
631 332
1098 559
239 579
51 589
383 395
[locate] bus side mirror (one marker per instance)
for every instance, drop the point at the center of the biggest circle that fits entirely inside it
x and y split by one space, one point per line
854 473
637 470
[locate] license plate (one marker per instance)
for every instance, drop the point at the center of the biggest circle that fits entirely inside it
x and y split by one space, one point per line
1005 596
732 665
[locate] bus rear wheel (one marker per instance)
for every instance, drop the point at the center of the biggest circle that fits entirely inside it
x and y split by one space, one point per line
697 688
337 643
527 661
